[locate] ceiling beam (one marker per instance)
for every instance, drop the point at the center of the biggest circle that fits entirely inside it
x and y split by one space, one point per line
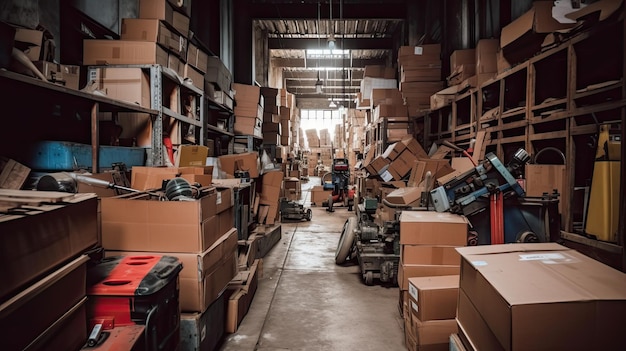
312 74
298 10
345 43
313 63
327 82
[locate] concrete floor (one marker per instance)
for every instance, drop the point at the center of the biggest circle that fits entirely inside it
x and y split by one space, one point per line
306 302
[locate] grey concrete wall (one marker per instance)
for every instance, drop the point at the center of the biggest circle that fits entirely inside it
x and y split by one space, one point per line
20 12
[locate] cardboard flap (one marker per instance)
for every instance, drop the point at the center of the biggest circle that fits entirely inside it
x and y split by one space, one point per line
508 248
605 7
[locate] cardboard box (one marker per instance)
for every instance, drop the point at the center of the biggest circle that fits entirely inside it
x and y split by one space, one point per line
405 196
139 222
153 30
420 74
514 286
462 57
248 161
191 155
197 78
65 75
386 97
216 72
433 298
379 71
122 52
126 84
319 195
12 173
433 335
544 179
35 239
147 178
406 271
427 254
432 228
204 275
30 41
486 56
531 27
164 10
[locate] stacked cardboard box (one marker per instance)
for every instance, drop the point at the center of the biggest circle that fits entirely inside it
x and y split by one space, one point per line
420 75
429 318
272 131
287 99
312 138
325 139
507 290
462 65
206 240
271 192
248 110
427 246
286 116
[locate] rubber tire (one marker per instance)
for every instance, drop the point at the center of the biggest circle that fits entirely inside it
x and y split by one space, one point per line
368 278
309 214
346 240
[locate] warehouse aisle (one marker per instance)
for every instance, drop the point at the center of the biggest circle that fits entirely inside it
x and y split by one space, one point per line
306 302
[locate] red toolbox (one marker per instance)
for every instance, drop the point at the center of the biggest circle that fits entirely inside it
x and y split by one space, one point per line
138 290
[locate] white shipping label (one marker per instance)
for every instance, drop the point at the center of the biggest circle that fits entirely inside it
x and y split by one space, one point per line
203 333
541 257
413 291
414 306
479 263
419 50
219 198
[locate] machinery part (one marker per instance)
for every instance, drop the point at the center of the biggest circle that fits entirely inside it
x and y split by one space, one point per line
368 278
528 237
346 240
368 231
61 181
178 189
472 238
389 272
293 210
549 148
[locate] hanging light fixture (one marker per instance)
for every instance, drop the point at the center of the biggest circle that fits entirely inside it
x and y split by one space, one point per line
331 37
319 84
332 103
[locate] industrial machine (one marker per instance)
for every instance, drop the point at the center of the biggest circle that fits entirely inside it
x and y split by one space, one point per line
490 196
338 180
292 210
375 247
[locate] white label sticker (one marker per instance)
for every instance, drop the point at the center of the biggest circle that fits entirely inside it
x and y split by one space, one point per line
541 257
479 263
414 306
93 74
203 333
219 198
419 50
413 291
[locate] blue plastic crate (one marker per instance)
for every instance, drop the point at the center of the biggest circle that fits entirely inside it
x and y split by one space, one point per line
68 156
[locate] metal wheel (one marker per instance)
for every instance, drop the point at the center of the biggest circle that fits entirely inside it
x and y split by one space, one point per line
346 240
309 214
368 278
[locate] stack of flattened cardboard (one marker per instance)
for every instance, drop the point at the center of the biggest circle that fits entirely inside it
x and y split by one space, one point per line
375 77
420 75
269 198
312 138
286 118
325 139
430 312
271 128
240 293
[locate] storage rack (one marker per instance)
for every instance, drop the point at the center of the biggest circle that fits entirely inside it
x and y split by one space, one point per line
220 121
165 82
555 99
57 97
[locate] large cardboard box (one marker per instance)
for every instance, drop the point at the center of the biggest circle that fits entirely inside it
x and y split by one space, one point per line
406 271
433 298
429 254
462 57
216 72
432 228
153 30
486 56
123 52
319 195
514 287
32 39
139 222
544 179
196 76
203 331
204 275
12 174
248 161
125 84
164 10
35 239
531 27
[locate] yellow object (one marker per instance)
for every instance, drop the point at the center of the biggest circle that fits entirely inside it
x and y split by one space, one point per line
603 210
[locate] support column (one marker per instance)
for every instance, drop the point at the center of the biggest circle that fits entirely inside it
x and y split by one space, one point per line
261 57
242 47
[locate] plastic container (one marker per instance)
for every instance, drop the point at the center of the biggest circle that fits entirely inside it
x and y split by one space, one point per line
68 156
138 290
